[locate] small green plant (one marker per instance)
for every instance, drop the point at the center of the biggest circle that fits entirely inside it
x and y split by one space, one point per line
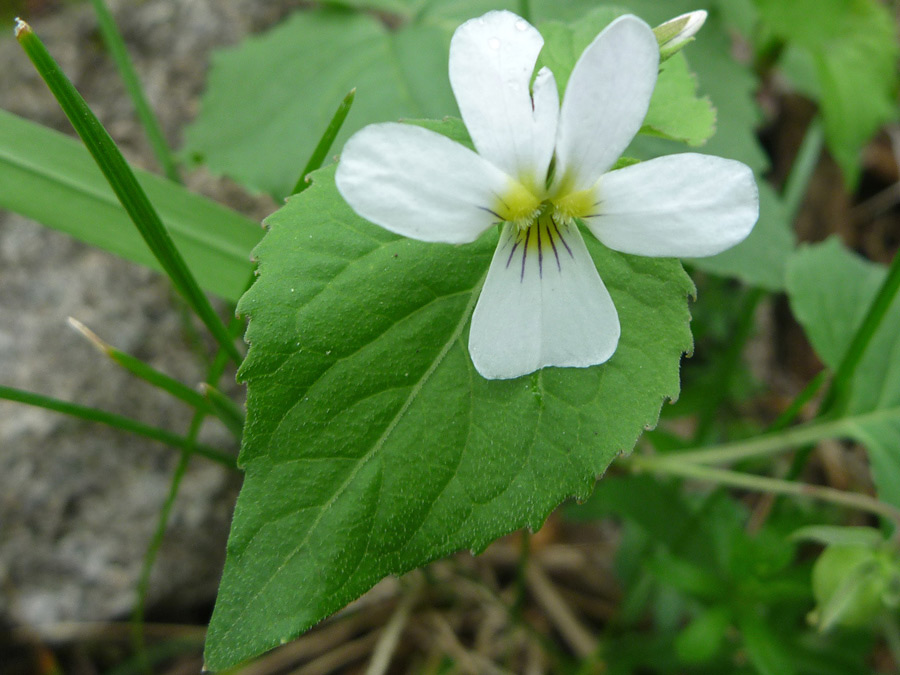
465 321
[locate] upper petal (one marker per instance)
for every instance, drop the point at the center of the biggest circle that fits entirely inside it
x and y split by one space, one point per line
606 101
686 205
420 184
543 304
491 62
546 117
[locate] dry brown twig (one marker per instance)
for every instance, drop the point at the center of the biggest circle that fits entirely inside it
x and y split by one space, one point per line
347 653
390 636
468 661
322 640
560 613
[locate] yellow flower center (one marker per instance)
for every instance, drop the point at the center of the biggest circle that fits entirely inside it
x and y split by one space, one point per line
518 205
573 205
521 206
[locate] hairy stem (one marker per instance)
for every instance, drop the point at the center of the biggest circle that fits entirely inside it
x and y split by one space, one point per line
674 466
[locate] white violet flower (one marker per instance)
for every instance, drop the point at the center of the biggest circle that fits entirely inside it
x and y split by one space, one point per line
541 168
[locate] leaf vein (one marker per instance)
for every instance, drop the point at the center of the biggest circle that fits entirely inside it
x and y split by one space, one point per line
367 456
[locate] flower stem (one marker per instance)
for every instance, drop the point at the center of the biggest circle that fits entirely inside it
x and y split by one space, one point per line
776 442
675 466
760 446
123 183
521 572
116 46
525 10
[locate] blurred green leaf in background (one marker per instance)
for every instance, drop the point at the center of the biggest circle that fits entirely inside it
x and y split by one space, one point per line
50 177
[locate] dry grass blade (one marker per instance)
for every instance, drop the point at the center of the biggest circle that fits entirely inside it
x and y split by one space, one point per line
560 613
387 643
467 661
317 642
339 657
82 631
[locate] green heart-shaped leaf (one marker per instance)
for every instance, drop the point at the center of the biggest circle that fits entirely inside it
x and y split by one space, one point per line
372 446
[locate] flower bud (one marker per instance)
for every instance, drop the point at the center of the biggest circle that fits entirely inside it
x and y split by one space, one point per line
854 585
674 34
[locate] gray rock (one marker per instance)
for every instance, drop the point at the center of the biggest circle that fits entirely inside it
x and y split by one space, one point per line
79 502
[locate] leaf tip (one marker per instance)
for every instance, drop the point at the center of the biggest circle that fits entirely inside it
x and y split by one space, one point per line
89 334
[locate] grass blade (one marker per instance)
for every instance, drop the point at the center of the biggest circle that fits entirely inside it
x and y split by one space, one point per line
805 163
838 394
123 183
213 374
318 155
116 421
224 408
119 54
143 370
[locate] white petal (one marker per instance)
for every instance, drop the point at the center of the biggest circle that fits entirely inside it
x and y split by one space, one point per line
546 116
606 101
491 62
420 184
546 307
687 205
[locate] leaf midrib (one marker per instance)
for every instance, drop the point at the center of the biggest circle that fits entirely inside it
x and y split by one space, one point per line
376 446
309 390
